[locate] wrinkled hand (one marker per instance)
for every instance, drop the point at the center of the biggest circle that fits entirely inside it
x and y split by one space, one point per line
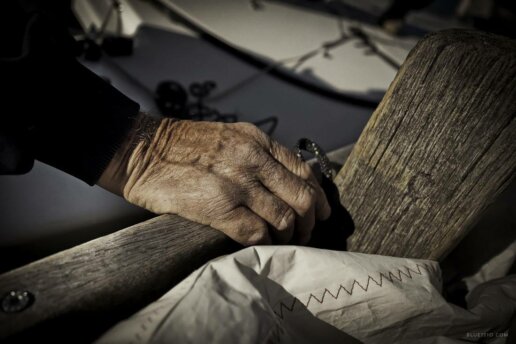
232 177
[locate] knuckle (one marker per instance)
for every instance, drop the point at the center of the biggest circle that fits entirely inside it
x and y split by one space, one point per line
246 151
248 147
259 235
285 218
254 132
240 229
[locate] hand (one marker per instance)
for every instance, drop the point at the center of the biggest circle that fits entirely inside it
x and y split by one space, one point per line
232 177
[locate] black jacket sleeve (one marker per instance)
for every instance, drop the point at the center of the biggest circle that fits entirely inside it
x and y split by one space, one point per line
52 108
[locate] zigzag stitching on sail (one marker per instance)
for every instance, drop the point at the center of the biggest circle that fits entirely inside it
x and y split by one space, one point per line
383 276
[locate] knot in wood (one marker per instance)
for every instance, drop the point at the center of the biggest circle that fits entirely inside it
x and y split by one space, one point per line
420 185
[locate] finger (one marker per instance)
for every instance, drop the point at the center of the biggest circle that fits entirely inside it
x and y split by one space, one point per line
276 212
244 226
305 225
293 190
300 168
322 206
304 206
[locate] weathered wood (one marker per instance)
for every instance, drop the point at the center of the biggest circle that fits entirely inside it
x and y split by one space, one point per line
110 276
437 150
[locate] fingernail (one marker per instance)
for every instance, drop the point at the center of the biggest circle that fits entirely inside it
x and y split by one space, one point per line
284 224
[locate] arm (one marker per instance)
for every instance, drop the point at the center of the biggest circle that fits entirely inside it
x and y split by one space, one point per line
53 108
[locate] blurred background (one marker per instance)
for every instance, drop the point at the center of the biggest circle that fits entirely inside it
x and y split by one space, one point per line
296 68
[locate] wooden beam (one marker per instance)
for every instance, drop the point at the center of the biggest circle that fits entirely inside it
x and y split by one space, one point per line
438 149
90 286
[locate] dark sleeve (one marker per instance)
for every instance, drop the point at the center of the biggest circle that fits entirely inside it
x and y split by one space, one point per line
54 109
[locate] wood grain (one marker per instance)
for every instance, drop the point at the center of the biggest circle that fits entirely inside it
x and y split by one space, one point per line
438 149
94 283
